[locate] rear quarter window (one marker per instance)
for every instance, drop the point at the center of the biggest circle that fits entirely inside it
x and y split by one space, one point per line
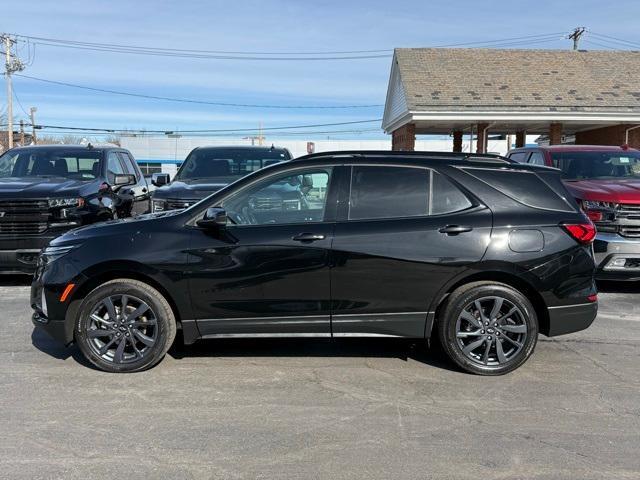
524 187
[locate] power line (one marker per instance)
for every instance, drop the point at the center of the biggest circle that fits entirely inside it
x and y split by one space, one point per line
615 39
187 100
170 131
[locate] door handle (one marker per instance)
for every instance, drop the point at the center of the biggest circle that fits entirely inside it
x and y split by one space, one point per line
144 189
308 237
455 229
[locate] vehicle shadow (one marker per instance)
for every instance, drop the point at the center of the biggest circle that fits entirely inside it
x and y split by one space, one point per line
55 349
402 349
15 280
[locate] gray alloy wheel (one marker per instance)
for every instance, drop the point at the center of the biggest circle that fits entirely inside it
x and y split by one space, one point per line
125 325
488 328
122 329
491 330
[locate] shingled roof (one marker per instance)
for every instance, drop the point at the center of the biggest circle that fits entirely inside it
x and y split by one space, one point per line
493 80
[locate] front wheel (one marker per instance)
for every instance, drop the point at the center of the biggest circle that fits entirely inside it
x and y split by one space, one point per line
125 326
488 328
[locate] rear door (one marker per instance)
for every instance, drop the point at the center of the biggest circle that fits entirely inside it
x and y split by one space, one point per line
402 233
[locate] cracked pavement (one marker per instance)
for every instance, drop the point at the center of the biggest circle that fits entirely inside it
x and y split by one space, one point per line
362 408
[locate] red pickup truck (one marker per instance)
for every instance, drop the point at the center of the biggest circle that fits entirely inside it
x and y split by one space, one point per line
606 181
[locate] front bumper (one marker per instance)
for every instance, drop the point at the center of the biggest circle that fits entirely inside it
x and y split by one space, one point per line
571 318
617 257
20 254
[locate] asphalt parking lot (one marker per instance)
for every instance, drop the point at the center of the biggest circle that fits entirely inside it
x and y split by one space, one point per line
317 409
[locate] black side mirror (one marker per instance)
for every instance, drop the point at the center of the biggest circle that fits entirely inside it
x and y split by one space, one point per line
160 179
214 217
123 180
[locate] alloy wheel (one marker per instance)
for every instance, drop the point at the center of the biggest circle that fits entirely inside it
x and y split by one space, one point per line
122 329
491 331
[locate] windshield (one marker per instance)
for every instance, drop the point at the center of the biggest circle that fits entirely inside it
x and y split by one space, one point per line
597 165
75 164
227 164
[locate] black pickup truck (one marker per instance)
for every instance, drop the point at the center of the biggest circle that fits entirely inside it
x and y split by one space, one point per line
49 189
208 169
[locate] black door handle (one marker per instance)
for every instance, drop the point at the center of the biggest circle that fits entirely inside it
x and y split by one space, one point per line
455 229
144 189
308 237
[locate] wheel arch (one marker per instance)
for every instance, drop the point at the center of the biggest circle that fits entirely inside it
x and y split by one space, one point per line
508 278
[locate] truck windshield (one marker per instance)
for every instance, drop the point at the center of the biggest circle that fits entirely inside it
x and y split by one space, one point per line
75 164
597 164
228 164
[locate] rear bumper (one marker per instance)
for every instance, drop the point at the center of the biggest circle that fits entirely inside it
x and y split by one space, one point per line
617 257
571 318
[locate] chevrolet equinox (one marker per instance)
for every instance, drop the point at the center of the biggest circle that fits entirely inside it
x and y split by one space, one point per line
480 251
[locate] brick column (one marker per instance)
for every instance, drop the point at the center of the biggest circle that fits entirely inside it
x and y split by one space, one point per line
521 139
457 140
481 145
404 138
555 134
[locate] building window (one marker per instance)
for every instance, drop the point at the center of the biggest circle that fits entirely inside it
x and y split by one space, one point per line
150 168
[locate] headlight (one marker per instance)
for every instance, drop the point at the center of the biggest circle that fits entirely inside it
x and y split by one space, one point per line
66 202
158 206
50 254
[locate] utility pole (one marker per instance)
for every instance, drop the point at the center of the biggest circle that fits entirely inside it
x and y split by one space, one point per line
575 36
7 72
11 65
21 132
32 114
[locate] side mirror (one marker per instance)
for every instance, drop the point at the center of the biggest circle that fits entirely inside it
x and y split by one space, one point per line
122 180
160 179
214 217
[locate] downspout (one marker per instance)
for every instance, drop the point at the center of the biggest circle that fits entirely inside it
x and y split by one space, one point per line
626 134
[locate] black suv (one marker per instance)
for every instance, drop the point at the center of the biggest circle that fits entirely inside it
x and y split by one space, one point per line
207 169
481 251
49 189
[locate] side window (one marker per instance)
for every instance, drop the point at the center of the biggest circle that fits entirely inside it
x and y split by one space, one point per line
114 167
446 197
286 198
127 161
519 157
388 192
536 158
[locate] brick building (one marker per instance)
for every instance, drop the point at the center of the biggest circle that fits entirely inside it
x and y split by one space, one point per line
594 95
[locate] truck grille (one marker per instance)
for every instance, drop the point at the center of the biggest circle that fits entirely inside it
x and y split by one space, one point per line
23 217
628 210
630 231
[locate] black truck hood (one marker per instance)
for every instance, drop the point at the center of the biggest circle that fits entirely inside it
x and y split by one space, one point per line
196 189
39 187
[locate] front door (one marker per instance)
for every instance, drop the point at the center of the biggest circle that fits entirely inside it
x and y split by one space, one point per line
267 271
404 232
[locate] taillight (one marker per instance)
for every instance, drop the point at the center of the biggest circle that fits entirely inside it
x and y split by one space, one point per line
594 215
592 298
581 232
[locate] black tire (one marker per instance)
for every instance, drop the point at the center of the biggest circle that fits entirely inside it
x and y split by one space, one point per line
464 330
147 336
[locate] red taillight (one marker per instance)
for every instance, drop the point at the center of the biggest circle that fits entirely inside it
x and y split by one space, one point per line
595 215
581 232
592 298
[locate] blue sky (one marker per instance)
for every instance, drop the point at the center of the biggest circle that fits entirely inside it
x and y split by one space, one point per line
267 25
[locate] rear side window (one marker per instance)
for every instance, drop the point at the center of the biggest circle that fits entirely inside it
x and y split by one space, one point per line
446 197
524 187
536 158
388 192
519 157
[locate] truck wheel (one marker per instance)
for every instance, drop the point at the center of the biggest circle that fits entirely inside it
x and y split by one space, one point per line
125 326
488 328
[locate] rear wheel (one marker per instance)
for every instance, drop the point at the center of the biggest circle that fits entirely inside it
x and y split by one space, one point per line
488 328
125 326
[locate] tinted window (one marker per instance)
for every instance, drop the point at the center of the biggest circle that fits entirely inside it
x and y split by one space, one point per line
524 187
128 164
228 164
598 165
446 197
286 198
388 192
114 167
519 156
77 164
536 158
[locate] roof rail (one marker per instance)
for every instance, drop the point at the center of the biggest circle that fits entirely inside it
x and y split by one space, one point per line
476 157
